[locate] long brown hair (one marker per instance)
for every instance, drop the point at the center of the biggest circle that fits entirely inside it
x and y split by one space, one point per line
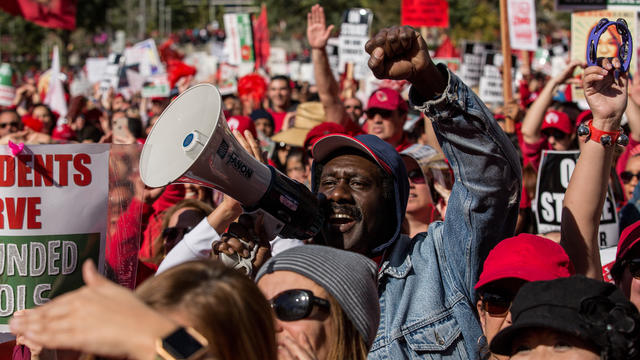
347 341
223 305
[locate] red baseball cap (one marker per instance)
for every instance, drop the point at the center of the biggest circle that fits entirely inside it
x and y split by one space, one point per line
242 123
528 257
629 238
388 99
554 119
321 130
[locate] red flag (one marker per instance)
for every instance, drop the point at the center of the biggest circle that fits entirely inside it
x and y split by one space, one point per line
261 38
57 14
430 13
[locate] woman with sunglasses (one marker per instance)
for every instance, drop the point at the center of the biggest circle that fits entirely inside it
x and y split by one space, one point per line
325 302
512 263
626 269
425 167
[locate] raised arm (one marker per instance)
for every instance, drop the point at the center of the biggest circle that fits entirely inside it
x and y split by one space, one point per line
533 119
584 198
328 89
483 205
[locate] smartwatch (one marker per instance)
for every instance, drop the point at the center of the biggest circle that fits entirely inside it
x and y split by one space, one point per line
182 344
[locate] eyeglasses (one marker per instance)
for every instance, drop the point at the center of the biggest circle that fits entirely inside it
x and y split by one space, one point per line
557 134
296 304
634 267
12 124
385 114
416 177
496 304
627 176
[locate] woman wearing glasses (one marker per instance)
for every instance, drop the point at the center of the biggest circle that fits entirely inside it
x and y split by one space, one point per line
626 269
325 302
511 264
425 168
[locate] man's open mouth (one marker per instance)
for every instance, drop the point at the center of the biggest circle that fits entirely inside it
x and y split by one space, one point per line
343 218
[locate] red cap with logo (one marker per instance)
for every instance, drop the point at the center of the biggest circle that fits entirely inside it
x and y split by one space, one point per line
242 123
528 257
554 119
628 239
388 99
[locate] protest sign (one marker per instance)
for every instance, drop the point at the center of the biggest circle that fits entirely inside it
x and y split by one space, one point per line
333 46
277 62
111 75
145 53
239 41
581 25
425 13
227 79
206 65
554 174
491 80
354 33
96 68
156 86
53 217
7 91
522 25
471 66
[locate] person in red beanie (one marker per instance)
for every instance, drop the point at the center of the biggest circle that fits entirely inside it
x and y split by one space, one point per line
626 269
512 263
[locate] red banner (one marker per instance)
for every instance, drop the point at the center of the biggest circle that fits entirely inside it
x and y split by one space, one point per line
57 14
261 38
429 13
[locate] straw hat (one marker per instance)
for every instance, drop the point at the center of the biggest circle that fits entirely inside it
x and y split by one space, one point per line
308 115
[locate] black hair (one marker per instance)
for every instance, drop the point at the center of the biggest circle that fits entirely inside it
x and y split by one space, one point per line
284 78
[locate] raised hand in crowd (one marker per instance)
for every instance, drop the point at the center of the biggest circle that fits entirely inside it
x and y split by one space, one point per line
400 53
532 123
100 318
606 95
328 89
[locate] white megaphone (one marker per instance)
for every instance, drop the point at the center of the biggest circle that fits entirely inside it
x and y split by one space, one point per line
191 143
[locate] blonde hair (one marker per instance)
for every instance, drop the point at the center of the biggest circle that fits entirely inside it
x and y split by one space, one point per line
347 341
222 304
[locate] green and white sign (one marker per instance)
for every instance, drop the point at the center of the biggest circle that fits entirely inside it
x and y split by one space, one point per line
7 91
53 217
239 41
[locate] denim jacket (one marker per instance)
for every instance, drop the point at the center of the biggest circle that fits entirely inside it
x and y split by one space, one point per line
427 300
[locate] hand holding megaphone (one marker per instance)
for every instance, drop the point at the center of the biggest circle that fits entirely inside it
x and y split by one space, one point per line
191 143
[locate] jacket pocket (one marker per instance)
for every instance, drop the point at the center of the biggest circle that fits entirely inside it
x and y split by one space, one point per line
436 336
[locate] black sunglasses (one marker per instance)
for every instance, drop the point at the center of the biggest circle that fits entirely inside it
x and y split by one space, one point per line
627 176
557 134
296 304
496 304
385 114
634 267
416 176
13 123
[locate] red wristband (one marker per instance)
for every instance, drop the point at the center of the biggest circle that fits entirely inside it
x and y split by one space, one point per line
605 138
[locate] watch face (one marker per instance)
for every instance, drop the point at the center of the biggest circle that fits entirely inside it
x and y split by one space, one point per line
183 344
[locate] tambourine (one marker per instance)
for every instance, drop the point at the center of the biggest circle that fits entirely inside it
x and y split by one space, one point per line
625 50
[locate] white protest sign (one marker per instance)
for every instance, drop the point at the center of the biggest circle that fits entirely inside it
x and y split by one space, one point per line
556 168
7 91
239 41
471 66
277 62
491 79
53 217
522 25
354 33
147 54
96 67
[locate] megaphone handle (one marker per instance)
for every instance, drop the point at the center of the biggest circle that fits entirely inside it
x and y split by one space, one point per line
271 226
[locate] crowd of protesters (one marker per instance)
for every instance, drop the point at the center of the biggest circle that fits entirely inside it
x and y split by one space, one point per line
428 248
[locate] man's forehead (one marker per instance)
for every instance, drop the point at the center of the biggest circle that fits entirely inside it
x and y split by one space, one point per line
350 158
8 116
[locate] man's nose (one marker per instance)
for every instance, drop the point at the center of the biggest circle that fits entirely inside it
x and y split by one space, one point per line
340 192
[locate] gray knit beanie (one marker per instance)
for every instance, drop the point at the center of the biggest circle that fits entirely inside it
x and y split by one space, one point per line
349 277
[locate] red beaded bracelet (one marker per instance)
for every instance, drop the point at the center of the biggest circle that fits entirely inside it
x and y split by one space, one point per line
605 138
